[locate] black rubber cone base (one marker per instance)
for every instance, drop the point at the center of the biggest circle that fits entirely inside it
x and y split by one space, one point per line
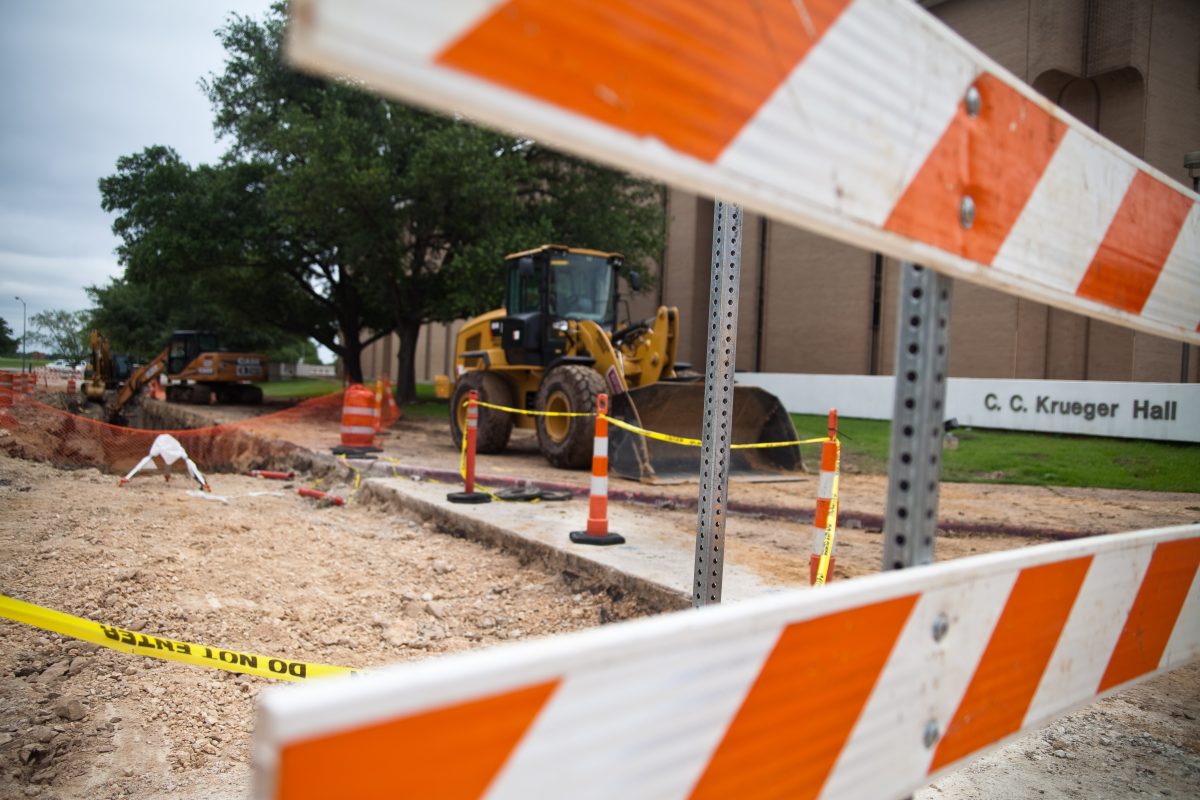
468 497
583 537
355 452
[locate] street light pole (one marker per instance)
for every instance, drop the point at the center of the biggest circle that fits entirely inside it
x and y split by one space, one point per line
24 344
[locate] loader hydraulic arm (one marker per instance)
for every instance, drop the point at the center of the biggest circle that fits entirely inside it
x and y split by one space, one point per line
609 362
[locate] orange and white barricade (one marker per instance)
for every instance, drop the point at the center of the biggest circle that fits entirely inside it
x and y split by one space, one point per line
796 694
597 531
867 121
925 150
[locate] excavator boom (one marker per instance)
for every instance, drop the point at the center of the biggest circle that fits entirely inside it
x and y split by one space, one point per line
143 375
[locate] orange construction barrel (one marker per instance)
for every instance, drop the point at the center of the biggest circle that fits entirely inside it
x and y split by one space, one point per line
359 415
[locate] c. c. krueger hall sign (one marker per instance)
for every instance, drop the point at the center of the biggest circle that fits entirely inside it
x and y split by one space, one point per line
1164 411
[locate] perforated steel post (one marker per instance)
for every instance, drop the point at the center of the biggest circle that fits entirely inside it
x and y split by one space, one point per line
718 402
915 468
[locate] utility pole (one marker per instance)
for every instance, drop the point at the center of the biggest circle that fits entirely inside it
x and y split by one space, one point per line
24 343
1191 162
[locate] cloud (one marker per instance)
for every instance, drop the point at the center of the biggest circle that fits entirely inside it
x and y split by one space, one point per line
81 84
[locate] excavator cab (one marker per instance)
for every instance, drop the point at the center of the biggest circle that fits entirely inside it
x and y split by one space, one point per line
186 346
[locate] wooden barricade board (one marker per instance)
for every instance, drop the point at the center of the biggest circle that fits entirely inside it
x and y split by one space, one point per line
863 689
864 120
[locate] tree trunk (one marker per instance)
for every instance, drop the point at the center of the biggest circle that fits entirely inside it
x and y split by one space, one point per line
352 359
406 362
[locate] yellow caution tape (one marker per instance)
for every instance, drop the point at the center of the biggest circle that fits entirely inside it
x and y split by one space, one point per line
482 404
830 519
662 437
462 470
357 475
134 643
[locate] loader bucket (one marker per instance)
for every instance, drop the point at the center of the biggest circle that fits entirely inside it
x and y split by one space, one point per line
677 409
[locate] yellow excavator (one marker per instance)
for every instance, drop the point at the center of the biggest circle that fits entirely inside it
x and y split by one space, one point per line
105 370
195 367
557 344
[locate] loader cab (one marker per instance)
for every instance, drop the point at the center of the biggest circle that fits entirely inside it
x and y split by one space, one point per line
185 346
546 288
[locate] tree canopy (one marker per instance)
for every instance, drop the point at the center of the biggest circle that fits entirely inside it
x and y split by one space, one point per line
340 216
8 341
64 333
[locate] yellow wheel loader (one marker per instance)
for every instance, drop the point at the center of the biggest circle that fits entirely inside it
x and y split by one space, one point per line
556 345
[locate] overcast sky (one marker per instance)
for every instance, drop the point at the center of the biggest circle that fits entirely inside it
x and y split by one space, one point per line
82 83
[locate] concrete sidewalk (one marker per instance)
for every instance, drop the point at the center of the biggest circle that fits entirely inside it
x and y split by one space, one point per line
659 552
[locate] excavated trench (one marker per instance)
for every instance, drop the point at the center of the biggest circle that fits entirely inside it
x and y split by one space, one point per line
56 428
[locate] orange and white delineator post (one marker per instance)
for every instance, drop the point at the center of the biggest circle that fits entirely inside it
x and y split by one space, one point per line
468 494
597 525
826 506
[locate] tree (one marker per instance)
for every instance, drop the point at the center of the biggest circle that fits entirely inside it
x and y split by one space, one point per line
339 216
8 341
184 235
64 333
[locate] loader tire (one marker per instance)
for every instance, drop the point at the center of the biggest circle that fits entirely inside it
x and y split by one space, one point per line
495 427
566 442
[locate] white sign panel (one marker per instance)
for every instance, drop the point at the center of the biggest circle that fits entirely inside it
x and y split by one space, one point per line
1163 411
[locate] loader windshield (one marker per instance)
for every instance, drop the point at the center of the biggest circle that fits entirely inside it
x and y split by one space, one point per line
581 287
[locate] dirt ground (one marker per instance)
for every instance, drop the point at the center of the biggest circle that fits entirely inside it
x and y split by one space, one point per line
255 567
260 570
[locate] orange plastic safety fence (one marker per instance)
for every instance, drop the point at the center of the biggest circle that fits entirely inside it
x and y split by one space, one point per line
36 428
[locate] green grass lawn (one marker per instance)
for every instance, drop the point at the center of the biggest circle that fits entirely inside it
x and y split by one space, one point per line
13 363
300 388
1040 459
427 405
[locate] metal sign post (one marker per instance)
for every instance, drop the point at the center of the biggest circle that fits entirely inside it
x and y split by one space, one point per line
718 401
915 468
